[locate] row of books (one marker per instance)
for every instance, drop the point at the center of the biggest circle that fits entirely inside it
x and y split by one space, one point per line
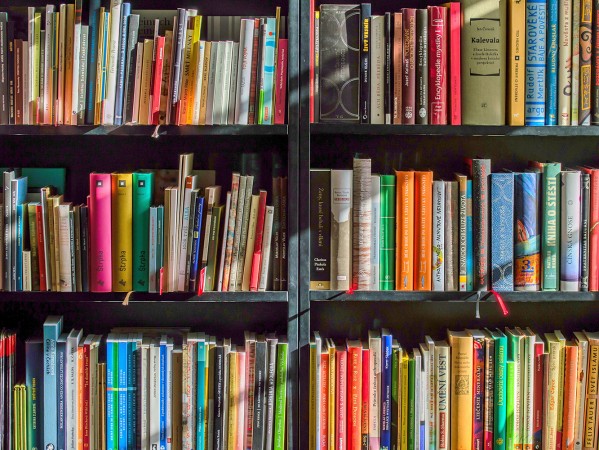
145 389
477 389
503 231
447 65
140 67
122 241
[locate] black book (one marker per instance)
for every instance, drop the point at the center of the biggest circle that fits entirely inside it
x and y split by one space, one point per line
388 93
219 393
340 68
320 229
366 12
130 67
276 234
584 230
10 66
422 66
3 70
259 394
84 224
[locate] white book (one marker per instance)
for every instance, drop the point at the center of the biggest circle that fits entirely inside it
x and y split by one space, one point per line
223 246
48 76
76 56
143 392
341 236
230 229
430 410
190 390
442 398
185 224
375 233
214 52
217 105
361 223
244 71
154 395
82 74
226 82
266 240
198 84
237 233
139 58
564 82
113 57
26 270
45 230
374 411
570 231
438 261
153 235
64 241
581 388
72 346
233 83
377 69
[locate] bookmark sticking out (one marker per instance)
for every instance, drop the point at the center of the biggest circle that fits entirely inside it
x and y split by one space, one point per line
127 297
500 301
161 281
201 281
156 134
351 290
477 314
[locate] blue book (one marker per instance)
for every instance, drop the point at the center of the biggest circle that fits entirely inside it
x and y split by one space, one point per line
552 61
92 57
469 239
196 244
61 387
265 111
200 389
34 375
163 393
52 330
502 231
123 358
112 400
386 380
122 60
132 345
527 245
536 49
20 234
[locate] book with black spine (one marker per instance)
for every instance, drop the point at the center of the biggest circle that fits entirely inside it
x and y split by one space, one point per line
260 372
388 90
320 229
283 248
365 13
130 67
219 391
276 235
422 67
3 69
10 65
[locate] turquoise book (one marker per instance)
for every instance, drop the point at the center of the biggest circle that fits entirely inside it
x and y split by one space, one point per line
143 186
201 398
502 231
265 111
536 49
52 329
132 345
469 239
122 391
21 230
550 234
112 400
552 60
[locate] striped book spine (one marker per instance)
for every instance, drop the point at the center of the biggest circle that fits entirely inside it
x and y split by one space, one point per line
552 61
387 258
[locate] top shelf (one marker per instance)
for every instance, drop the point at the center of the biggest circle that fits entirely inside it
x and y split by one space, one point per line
449 130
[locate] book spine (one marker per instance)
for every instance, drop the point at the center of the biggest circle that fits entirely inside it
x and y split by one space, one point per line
41 250
550 231
511 429
320 222
551 419
387 253
364 427
411 401
489 393
409 66
438 237
386 359
365 21
354 425
527 248
122 222
469 239
585 55
177 63
536 25
244 71
283 266
423 182
581 384
265 273
196 244
404 273
438 24
593 232
527 401
570 378
575 61
455 84
462 186
451 236
341 241
478 422
280 107
121 64
565 63
3 72
377 69
10 58
34 373
19 81
129 81
442 399
502 231
281 396
423 45
100 234
121 406
388 92
361 224
62 401
553 62
92 57
340 400
50 398
268 66
257 255
499 396
374 403
156 83
395 398
397 68
570 235
481 168
83 73
143 184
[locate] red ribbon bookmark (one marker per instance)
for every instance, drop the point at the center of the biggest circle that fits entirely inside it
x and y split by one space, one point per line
499 300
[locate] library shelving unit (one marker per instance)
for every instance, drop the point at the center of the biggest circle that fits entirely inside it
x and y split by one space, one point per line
412 315
262 150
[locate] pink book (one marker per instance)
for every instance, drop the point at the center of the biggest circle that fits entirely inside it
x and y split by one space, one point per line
257 257
437 53
100 235
341 399
455 90
281 80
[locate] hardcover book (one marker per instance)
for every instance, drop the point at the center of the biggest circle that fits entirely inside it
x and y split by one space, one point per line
122 223
423 183
361 224
100 232
320 229
502 231
365 23
438 23
404 271
422 65
409 66
527 246
341 237
388 217
536 32
570 231
553 45
377 69
517 29
481 168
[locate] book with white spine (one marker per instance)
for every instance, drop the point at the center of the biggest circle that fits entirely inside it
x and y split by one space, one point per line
48 76
244 71
374 380
191 183
361 223
114 40
266 239
438 262
570 231
76 55
226 82
375 234
442 398
219 75
430 416
233 84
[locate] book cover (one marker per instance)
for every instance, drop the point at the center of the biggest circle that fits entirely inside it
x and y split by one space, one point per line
481 168
364 427
502 231
536 49
122 228
585 55
257 251
361 223
438 236
374 403
377 69
365 48
442 377
565 63
423 200
121 63
527 247
397 67
404 271
142 199
553 45
388 90
478 388
422 65
339 78
462 181
408 90
593 232
451 236
385 386
570 231
488 419
575 61
552 376
100 232
388 249
280 106
34 376
52 330
571 373
516 38
585 198
354 387
341 238
499 388
438 23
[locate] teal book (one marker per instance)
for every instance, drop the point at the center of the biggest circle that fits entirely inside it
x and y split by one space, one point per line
123 367
499 394
143 186
21 229
52 330
265 106
39 177
510 426
132 345
201 398
550 228
387 251
280 395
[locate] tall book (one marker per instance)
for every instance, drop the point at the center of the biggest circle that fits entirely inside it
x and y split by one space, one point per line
461 389
361 224
404 269
100 232
483 62
423 183
570 231
438 236
481 168
451 236
365 73
408 89
343 75
143 184
375 232
397 67
122 229
387 256
585 55
517 29
502 231
536 26
341 237
552 45
438 21
422 66
52 330
565 63
575 61
377 69
320 229
527 246
374 410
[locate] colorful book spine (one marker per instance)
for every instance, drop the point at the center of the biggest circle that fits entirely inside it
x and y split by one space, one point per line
585 199
280 106
527 248
365 13
364 436
111 393
423 183
462 369
539 371
536 32
570 232
552 61
52 330
516 61
388 217
455 84
469 239
575 61
122 410
462 187
438 236
354 390
100 224
386 382
478 393
200 416
409 66
500 388
565 63
438 23
502 231
481 168
122 223
404 271
593 230
143 185
585 54
196 244
510 426
265 113
489 391
121 64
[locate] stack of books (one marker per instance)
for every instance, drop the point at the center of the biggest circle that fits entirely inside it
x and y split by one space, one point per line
503 231
140 67
476 389
473 62
145 388
137 232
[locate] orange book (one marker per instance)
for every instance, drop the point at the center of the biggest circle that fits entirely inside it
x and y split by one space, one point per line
570 383
423 183
354 391
323 439
404 270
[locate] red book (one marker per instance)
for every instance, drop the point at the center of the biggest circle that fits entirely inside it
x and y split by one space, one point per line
455 87
312 62
100 222
41 249
397 68
594 230
409 66
281 83
437 63
341 399
365 396
157 79
324 402
537 416
257 258
354 399
254 77
86 393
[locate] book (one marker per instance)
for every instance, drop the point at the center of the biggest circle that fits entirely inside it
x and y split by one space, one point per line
404 272
341 242
320 229
570 231
409 66
439 23
564 84
502 231
527 248
438 236
361 224
585 54
481 168
377 69
52 330
100 223
365 49
451 236
423 182
517 30
422 65
141 200
552 44
388 217
461 389
122 229
536 26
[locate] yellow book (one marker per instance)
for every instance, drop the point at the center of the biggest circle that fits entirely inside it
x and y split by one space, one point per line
193 68
205 73
233 402
146 77
98 101
516 58
461 389
53 203
67 100
403 420
185 78
122 229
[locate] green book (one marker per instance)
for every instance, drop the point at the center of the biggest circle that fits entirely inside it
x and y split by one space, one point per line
516 355
387 262
411 403
35 273
143 185
510 426
280 396
499 394
394 393
551 226
217 212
